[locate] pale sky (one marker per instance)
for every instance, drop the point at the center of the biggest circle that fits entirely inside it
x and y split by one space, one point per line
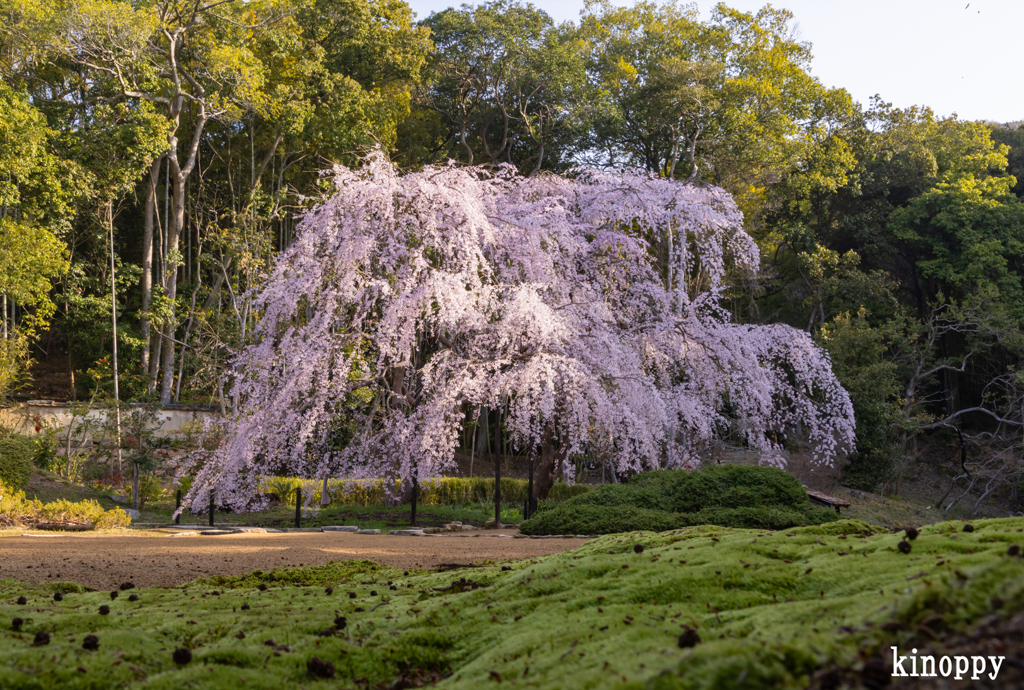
938 53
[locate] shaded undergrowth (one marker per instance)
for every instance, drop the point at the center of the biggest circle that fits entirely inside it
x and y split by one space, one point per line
770 610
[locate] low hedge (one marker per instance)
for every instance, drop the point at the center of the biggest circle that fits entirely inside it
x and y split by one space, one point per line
16 455
439 491
745 496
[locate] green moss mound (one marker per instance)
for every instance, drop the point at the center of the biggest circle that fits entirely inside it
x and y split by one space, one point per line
773 611
726 495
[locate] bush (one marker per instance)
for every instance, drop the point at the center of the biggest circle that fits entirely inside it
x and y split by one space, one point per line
45 445
595 519
726 495
113 519
150 489
16 456
14 504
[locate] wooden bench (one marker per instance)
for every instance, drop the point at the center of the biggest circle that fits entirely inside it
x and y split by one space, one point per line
821 499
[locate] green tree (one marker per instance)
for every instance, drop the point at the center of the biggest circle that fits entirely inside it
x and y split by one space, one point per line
505 85
964 237
864 359
729 100
31 255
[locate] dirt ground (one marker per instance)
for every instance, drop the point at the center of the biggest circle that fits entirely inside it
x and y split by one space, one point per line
155 559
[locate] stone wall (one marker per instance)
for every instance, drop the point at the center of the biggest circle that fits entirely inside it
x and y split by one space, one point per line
23 417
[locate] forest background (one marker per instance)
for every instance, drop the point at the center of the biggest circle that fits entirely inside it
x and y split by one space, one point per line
156 155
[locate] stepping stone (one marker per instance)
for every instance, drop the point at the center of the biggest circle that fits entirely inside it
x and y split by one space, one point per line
407 532
339 528
217 532
368 531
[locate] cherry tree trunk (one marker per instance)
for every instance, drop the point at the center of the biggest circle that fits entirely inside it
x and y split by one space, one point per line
550 464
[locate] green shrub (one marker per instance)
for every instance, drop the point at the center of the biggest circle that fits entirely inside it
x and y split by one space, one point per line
16 455
63 510
150 489
113 519
594 519
45 445
14 504
726 495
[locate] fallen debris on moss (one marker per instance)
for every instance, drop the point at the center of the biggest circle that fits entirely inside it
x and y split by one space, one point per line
758 609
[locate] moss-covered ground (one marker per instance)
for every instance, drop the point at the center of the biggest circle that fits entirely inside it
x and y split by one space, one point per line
771 609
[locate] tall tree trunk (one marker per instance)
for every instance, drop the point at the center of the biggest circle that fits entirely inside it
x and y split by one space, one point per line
113 319
179 175
171 276
147 259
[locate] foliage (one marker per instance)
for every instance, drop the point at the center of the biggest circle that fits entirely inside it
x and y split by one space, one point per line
408 301
730 99
16 455
725 495
863 361
45 443
15 358
598 519
801 610
150 489
30 258
508 84
31 255
14 505
966 237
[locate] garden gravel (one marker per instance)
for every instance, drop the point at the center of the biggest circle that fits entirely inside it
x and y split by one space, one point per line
154 559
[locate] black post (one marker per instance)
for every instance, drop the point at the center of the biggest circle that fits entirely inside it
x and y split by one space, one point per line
529 490
497 469
298 506
497 492
415 495
211 509
177 507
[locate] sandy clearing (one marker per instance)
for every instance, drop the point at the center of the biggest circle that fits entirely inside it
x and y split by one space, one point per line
103 561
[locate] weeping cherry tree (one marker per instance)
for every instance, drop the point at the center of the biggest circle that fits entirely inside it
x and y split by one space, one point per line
407 302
